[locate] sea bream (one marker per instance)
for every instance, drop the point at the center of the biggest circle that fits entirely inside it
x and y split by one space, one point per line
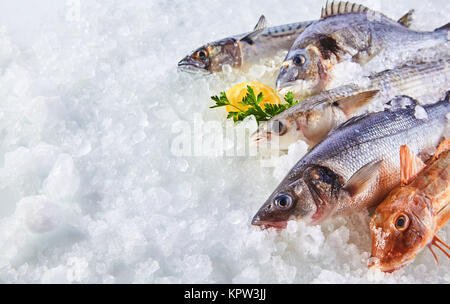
242 51
408 218
312 119
348 32
354 167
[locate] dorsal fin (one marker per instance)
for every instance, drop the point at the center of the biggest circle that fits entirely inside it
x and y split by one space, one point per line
410 165
261 24
407 19
341 7
259 27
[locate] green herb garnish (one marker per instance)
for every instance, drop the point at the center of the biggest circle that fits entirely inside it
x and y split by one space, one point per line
253 101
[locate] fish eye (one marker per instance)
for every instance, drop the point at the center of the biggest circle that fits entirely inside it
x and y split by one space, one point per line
299 59
202 54
401 222
283 201
278 127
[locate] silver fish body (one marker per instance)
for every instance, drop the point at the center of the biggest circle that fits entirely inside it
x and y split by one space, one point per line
356 37
312 119
354 167
242 51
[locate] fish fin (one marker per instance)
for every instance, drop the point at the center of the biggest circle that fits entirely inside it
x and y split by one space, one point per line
445 27
341 7
442 216
261 24
434 254
365 55
407 19
435 242
410 165
362 178
351 104
447 96
259 27
443 146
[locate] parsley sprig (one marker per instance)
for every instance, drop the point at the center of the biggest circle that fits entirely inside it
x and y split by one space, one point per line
253 101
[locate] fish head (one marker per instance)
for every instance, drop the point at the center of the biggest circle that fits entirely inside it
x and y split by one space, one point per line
399 230
211 57
309 198
303 73
278 132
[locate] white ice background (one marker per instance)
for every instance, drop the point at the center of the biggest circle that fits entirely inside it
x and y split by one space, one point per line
90 189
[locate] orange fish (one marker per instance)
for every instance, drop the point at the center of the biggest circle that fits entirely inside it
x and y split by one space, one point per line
409 217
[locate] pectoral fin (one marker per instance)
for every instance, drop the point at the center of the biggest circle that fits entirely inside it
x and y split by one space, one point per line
259 27
352 104
443 146
362 178
410 165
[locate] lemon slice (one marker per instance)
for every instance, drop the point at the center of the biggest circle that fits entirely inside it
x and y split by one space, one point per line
237 92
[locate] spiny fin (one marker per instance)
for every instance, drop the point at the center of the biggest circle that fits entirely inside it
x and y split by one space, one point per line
442 216
362 178
407 19
435 242
443 147
259 27
410 165
341 7
261 24
351 104
443 28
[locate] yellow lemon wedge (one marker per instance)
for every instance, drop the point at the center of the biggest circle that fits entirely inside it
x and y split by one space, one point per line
238 91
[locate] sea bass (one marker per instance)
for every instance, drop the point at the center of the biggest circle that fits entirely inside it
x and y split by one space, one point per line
408 218
354 167
312 119
348 32
241 51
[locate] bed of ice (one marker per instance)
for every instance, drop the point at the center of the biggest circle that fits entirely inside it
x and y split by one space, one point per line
92 187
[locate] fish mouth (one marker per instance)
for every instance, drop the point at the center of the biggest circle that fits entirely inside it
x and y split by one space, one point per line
300 88
259 139
387 269
187 64
375 264
287 76
256 221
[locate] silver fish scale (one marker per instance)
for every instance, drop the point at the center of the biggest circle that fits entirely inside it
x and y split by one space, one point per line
376 136
360 33
418 80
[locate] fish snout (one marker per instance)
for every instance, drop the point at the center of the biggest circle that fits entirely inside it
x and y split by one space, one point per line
373 263
256 221
189 64
287 75
260 138
184 61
